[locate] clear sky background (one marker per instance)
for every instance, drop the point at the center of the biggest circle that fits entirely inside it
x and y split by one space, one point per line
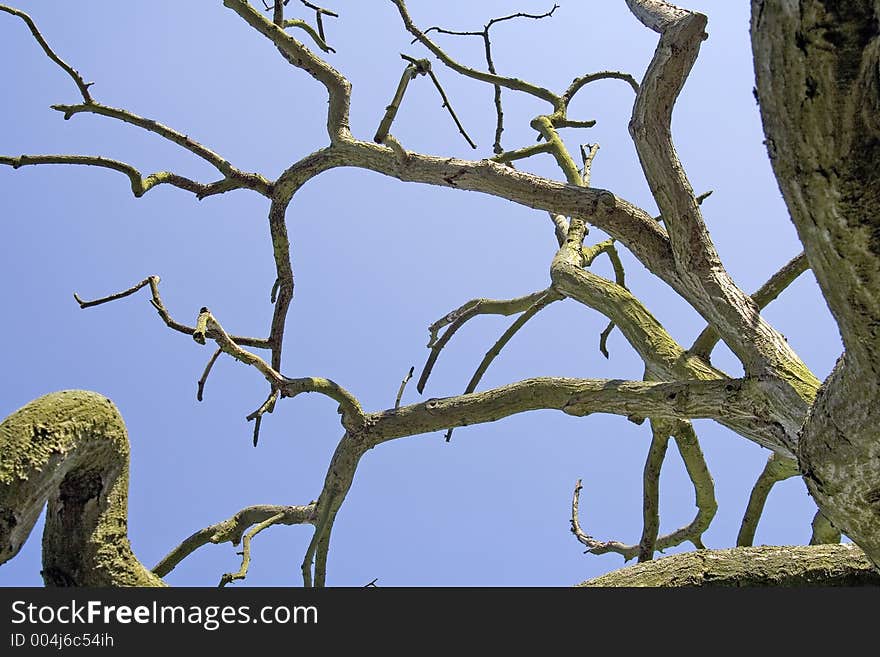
376 261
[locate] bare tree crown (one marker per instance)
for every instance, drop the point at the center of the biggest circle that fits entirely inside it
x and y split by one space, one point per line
823 433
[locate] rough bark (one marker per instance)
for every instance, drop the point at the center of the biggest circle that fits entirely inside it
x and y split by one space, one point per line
70 448
817 64
816 565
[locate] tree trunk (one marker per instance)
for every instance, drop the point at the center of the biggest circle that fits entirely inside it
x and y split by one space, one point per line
817 64
70 448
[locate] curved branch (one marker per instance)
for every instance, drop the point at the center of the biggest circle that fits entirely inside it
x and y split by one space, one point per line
232 529
501 81
704 493
228 578
139 184
81 84
70 448
775 470
458 317
159 305
550 296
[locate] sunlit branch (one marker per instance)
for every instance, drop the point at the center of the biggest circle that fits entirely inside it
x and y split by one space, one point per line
246 549
545 300
81 84
775 285
157 303
139 184
352 416
232 529
457 318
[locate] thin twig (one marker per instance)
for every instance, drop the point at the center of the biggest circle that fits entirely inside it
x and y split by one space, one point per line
581 82
457 318
81 84
775 285
317 37
208 367
156 301
448 106
403 383
267 407
545 300
113 297
588 154
139 184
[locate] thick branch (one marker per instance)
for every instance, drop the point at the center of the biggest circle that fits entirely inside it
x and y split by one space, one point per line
775 285
822 565
70 448
733 401
724 305
81 84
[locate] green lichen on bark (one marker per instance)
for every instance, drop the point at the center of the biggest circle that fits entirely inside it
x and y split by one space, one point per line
71 449
778 566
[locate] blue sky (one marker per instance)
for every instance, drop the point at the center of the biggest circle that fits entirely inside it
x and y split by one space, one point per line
376 261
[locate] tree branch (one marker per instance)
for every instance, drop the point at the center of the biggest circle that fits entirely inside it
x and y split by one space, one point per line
509 83
822 565
724 305
158 304
70 448
338 88
234 177
776 284
775 470
139 184
732 401
232 529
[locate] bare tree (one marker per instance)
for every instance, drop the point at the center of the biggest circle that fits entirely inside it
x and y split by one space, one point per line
818 85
